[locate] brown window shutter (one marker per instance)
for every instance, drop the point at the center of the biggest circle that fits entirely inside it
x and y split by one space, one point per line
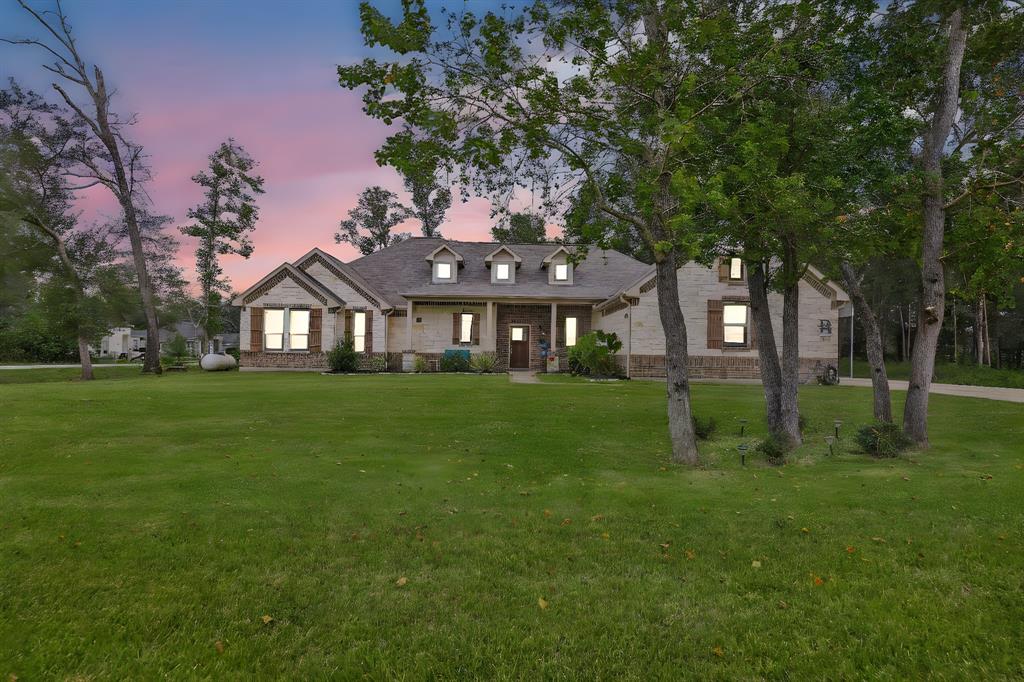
455 327
723 270
348 325
368 341
256 329
476 329
316 321
716 325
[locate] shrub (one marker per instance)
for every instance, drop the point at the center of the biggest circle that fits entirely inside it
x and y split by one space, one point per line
594 355
454 362
379 363
343 357
882 439
773 449
176 350
419 364
483 362
704 427
235 353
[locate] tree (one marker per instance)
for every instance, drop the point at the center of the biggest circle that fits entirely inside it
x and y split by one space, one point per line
521 228
881 400
430 198
104 155
223 223
77 268
377 212
564 95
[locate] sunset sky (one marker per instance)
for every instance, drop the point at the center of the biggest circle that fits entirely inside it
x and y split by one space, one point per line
262 72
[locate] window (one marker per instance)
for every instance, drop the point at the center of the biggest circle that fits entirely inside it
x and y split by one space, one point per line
359 331
273 329
466 328
517 333
735 269
570 331
735 319
298 330
443 270
501 271
562 272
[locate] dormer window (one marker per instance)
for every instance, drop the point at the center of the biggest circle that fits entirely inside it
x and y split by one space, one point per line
503 262
559 266
444 265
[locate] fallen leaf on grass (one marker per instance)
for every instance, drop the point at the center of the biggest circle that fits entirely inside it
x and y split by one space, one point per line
665 545
850 549
717 651
690 554
547 512
219 646
755 564
597 517
267 620
818 582
542 602
605 536
401 581
566 522
805 530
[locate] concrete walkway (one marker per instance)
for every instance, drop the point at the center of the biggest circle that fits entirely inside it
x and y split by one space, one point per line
1013 395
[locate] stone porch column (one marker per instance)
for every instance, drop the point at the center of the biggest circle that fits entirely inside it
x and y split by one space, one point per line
408 356
490 341
552 365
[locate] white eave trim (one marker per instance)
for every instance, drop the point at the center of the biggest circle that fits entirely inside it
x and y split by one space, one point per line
444 247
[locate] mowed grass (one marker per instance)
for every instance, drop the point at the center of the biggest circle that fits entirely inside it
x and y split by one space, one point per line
149 525
945 373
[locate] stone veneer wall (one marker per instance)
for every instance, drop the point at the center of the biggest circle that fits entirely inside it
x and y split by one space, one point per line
538 317
310 361
721 367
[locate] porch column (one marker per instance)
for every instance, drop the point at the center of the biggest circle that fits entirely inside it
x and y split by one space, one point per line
552 365
408 326
490 343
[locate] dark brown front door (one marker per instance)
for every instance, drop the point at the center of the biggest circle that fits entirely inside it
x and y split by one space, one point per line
519 347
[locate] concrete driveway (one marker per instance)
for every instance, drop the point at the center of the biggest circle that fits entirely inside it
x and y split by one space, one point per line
1013 395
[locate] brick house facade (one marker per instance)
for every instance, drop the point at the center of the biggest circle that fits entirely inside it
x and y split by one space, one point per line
425 297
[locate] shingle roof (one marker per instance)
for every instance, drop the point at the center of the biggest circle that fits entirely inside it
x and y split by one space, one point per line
401 270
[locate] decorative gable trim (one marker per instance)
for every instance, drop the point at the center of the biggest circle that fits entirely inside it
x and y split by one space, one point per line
289 271
316 257
561 249
444 247
515 256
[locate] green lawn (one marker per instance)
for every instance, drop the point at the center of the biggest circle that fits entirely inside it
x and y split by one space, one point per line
945 373
148 525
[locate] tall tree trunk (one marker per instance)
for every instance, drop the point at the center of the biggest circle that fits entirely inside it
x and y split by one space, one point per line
873 340
790 401
83 356
933 290
979 333
767 351
677 374
986 331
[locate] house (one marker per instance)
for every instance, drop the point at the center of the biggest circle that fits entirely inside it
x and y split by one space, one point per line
129 343
424 296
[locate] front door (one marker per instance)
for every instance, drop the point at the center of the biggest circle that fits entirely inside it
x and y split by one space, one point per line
519 347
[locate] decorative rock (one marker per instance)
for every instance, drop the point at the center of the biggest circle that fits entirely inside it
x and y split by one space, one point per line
217 362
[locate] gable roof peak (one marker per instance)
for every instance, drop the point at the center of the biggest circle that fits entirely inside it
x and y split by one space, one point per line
503 247
445 246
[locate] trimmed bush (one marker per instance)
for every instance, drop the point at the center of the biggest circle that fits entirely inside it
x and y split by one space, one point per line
882 439
594 355
419 364
379 363
483 362
343 357
773 449
704 427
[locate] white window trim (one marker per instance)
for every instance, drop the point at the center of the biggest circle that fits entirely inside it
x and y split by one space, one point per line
286 334
737 264
745 326
465 330
570 339
359 339
508 272
566 271
437 271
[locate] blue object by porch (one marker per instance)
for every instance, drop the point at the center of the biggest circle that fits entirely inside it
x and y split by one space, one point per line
452 352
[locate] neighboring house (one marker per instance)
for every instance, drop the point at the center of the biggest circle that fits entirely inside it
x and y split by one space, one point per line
125 342
424 296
